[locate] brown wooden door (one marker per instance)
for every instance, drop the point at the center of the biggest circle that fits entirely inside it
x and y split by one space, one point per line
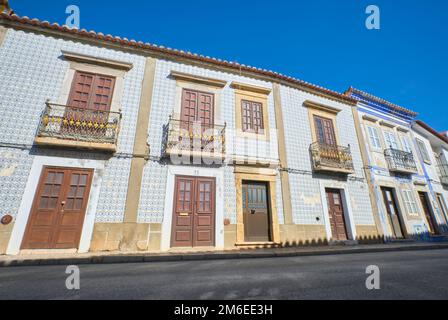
256 212
392 213
336 213
194 212
197 107
429 217
58 210
325 131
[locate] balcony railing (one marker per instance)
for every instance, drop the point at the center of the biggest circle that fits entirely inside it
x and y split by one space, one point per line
400 161
443 172
184 137
331 158
78 127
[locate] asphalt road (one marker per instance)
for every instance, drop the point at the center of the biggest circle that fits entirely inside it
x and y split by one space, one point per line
404 275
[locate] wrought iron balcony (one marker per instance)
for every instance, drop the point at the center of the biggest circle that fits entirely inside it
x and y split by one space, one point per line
68 126
400 161
192 138
331 158
443 172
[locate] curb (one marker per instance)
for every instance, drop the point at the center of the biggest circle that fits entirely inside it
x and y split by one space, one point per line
116 259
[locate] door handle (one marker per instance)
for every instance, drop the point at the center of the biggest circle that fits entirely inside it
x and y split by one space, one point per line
62 205
252 211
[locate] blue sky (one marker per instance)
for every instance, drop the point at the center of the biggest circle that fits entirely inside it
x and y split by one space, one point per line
324 42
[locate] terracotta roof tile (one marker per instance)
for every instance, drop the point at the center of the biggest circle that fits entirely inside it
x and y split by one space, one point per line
178 53
432 131
379 100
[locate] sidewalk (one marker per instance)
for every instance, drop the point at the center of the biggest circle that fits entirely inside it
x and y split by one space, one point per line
117 257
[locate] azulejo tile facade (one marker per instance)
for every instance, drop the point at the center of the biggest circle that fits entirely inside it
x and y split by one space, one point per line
110 144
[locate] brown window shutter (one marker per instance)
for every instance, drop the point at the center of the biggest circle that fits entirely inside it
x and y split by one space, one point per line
91 91
325 131
252 116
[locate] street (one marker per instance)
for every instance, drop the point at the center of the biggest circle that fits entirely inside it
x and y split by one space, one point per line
404 275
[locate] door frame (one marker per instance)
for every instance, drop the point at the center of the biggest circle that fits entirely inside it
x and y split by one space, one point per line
32 184
271 181
346 204
173 171
268 203
432 214
194 194
399 212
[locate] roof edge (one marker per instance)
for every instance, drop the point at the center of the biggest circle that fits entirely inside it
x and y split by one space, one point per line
380 100
26 22
432 130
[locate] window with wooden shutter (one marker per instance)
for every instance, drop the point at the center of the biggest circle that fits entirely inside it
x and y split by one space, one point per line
325 133
197 107
91 91
252 116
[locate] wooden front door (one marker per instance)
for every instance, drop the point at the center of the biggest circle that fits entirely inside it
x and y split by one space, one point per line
429 217
194 212
336 213
392 213
58 210
256 212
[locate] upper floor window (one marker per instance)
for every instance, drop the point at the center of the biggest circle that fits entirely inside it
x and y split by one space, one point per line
91 91
406 144
325 131
197 107
423 150
410 203
391 141
374 137
252 116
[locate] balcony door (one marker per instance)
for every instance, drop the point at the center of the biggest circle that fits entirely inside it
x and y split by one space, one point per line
197 107
89 105
325 132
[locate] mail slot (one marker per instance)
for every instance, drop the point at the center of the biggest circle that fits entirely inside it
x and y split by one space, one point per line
184 214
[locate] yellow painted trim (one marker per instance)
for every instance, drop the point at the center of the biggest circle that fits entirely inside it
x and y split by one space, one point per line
369 118
275 229
3 32
141 149
367 170
324 114
387 124
198 79
255 97
250 87
321 107
83 58
282 153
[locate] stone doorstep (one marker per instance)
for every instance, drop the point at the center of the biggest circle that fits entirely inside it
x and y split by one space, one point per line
117 257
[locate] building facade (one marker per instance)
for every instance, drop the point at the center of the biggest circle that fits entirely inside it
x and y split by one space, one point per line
402 191
110 144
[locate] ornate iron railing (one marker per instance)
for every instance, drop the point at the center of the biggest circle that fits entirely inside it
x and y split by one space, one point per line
72 123
399 160
194 137
443 172
327 157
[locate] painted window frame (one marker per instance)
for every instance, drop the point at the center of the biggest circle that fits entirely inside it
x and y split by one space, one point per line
410 202
373 140
252 129
256 97
406 143
423 150
386 134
